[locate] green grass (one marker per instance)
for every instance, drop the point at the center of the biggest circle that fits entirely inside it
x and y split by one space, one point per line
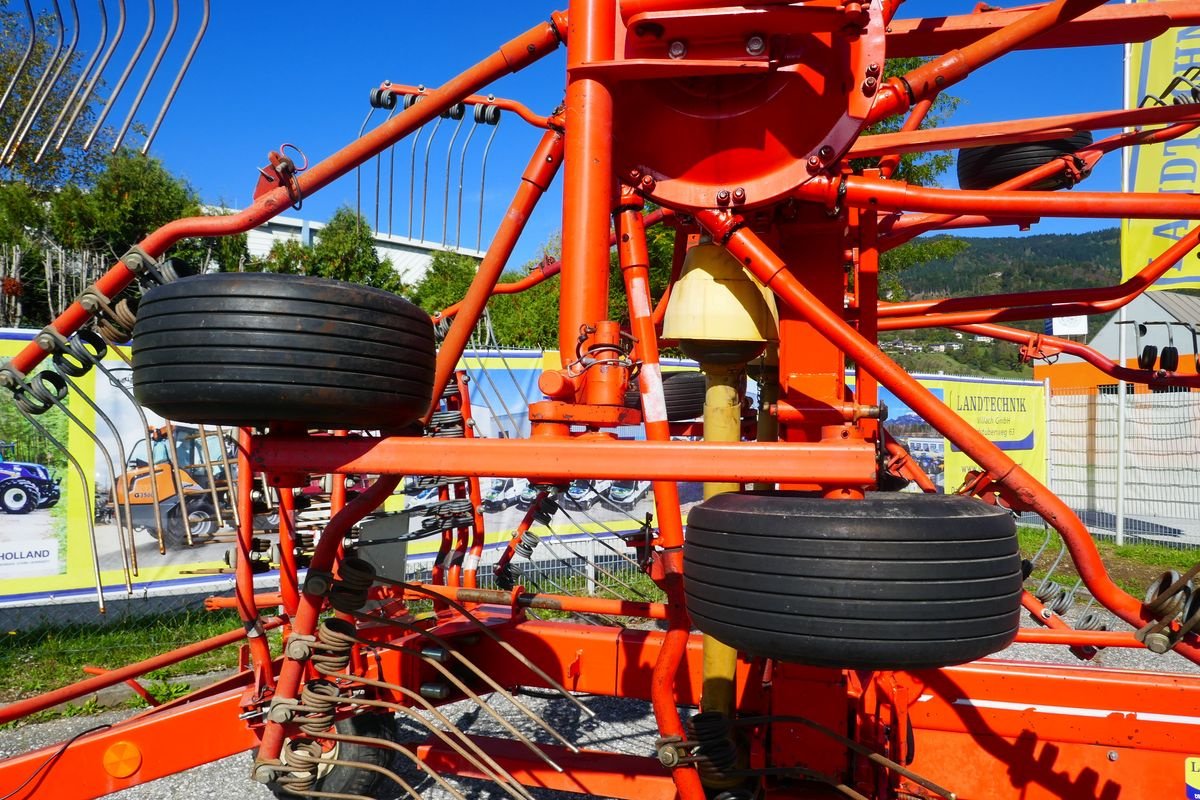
46 658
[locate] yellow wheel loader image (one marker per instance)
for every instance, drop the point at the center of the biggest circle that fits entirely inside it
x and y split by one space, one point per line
189 492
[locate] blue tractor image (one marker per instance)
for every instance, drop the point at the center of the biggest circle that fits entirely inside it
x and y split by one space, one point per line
25 486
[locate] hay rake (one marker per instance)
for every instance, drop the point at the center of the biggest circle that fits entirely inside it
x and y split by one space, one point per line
831 631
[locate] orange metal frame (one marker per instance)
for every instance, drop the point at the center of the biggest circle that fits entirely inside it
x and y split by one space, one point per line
811 231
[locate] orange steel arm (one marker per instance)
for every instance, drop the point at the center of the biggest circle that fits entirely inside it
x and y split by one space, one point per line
898 94
1025 130
1108 24
764 264
1039 345
511 57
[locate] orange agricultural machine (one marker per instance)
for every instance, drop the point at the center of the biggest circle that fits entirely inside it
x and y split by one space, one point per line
822 633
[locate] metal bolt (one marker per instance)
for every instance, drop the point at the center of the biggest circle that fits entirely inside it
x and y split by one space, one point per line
45 342
873 69
1047 613
869 86
756 45
826 152
1112 755
739 195
814 163
264 773
635 174
435 691
648 183
677 49
668 756
723 197
1158 642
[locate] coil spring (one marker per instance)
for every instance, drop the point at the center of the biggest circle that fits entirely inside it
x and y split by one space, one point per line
77 355
301 759
352 590
713 750
525 547
336 638
116 324
546 510
423 482
40 392
1092 621
446 424
318 702
508 576
448 514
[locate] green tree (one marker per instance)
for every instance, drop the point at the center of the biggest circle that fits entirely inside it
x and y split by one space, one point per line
71 164
445 282
344 251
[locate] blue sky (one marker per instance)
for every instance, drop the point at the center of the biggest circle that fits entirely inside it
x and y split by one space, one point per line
300 72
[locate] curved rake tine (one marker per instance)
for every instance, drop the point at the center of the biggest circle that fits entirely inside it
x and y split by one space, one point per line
125 523
120 84
40 102
115 381
210 473
487 321
82 102
425 176
358 170
412 179
187 62
150 73
557 540
508 648
87 501
1042 549
32 100
112 476
462 174
230 483
1046 582
446 192
599 539
177 473
24 57
83 74
398 748
483 182
379 171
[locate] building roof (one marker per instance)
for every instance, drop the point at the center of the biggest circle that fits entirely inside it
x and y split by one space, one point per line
1183 307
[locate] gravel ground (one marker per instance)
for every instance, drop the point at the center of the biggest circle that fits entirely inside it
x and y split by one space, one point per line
624 726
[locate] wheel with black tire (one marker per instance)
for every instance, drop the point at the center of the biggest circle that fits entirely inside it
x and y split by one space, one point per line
1148 356
991 165
202 521
256 348
1169 358
892 581
342 780
18 496
683 394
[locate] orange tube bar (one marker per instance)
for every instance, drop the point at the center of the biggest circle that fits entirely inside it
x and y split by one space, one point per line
1077 638
839 463
551 602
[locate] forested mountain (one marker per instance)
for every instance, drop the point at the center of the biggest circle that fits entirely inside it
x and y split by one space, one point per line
1019 264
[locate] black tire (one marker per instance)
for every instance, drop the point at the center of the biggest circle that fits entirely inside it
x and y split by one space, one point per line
1148 356
683 393
18 496
351 780
202 518
991 165
255 348
894 581
1169 359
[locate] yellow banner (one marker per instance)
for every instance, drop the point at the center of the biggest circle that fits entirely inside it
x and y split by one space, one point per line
1172 166
1011 415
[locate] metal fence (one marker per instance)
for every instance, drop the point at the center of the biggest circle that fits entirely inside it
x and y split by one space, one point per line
1131 474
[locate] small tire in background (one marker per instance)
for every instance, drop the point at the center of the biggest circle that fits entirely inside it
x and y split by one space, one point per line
342 780
257 348
18 497
893 581
991 165
683 394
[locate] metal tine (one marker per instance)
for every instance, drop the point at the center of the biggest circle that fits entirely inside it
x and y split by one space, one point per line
466 690
579 573
173 457
32 100
487 149
39 102
508 648
66 106
491 333
1045 544
371 741
1046 582
82 102
425 174
187 62
462 174
554 535
492 770
391 184
461 111
230 484
87 501
24 57
536 586
124 523
150 73
486 398
210 474
379 172
600 539
358 170
57 399
115 381
508 415
412 176
120 84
